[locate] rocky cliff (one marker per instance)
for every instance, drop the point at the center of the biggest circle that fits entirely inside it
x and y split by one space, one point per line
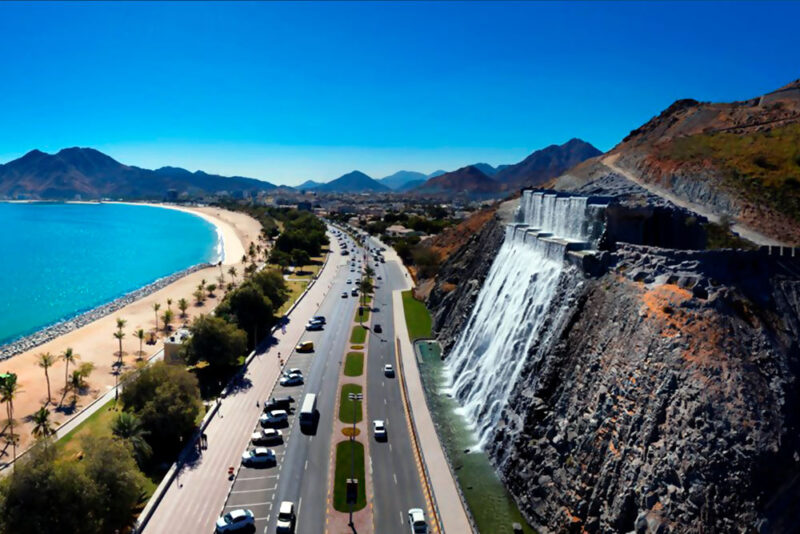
660 398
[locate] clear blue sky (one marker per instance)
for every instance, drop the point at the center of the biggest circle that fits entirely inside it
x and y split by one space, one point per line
286 92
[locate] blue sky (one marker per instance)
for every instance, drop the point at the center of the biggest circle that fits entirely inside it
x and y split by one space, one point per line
288 92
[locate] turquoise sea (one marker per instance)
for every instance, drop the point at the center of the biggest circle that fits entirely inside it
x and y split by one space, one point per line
64 259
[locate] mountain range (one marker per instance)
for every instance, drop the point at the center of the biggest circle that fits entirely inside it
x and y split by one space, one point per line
90 174
352 182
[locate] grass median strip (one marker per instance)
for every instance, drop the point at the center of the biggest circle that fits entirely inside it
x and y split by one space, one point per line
354 364
362 314
348 410
349 454
417 317
359 335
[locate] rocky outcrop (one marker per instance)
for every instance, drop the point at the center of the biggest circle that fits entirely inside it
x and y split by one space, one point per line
663 401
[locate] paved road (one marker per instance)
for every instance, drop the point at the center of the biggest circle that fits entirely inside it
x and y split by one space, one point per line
396 480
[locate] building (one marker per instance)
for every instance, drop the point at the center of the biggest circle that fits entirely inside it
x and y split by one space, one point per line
398 230
173 345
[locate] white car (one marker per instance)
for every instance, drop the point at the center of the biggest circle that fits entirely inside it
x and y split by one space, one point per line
236 520
379 429
416 518
349 281
294 380
311 325
293 371
275 417
286 518
267 436
258 456
388 370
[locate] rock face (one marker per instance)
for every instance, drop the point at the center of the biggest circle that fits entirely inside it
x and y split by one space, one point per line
663 400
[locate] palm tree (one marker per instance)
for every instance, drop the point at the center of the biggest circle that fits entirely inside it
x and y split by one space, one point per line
183 305
9 389
156 307
78 378
211 288
69 357
220 281
129 427
46 360
139 334
119 334
42 426
169 303
167 318
232 272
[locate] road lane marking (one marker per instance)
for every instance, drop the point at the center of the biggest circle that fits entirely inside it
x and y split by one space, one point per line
269 503
394 475
253 491
305 467
259 478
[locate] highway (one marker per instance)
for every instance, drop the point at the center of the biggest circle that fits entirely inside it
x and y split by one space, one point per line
395 477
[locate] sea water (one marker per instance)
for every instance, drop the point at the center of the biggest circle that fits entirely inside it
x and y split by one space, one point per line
59 260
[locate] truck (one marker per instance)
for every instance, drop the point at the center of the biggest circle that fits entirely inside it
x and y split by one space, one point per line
308 411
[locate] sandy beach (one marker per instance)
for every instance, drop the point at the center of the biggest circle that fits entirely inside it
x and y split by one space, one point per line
95 343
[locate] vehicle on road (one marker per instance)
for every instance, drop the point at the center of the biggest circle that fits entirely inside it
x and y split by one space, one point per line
274 417
354 292
293 371
286 518
259 456
314 326
305 346
308 411
293 380
378 329
319 319
379 277
278 403
349 281
388 370
416 518
267 436
236 520
379 429
344 294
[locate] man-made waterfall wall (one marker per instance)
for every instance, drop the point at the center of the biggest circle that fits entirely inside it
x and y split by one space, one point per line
515 302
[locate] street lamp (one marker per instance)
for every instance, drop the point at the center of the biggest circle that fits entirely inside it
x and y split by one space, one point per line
354 397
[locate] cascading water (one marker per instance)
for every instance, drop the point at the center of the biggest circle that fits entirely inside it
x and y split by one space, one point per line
512 306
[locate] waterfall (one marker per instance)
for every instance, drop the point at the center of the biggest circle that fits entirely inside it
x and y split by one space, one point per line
512 305
486 360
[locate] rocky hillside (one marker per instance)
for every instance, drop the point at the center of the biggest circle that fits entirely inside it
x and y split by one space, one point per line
468 180
739 159
661 396
91 174
543 165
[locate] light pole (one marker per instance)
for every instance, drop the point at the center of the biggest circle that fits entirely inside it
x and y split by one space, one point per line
354 397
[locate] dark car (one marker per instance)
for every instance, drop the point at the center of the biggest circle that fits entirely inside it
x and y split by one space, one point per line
278 403
377 328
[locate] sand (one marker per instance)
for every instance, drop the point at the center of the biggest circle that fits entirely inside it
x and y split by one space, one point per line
95 343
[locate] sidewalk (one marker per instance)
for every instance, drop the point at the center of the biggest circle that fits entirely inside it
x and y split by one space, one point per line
452 515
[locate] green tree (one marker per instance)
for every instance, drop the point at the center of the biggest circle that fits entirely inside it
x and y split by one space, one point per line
232 272
42 426
156 307
216 341
69 357
45 360
248 308
119 334
183 305
139 334
199 296
300 258
211 288
167 400
280 258
9 389
130 428
167 319
272 284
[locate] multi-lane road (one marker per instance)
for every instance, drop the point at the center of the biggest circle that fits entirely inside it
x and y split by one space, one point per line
300 473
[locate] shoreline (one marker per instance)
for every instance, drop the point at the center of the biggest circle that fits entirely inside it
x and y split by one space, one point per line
74 321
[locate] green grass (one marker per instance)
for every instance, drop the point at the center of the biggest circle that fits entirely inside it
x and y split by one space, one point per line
363 316
296 289
354 364
418 319
346 409
345 451
359 335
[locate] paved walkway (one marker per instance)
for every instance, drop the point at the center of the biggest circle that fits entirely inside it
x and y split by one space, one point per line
193 500
451 509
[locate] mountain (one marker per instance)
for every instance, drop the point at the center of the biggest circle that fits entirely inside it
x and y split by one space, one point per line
487 169
738 160
470 180
308 184
545 164
91 174
399 179
353 182
408 186
434 174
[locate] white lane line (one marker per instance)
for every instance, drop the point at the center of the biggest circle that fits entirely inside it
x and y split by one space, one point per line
390 447
305 467
395 477
385 401
250 504
253 491
401 517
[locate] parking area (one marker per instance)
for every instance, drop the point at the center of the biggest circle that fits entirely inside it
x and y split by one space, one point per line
255 487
